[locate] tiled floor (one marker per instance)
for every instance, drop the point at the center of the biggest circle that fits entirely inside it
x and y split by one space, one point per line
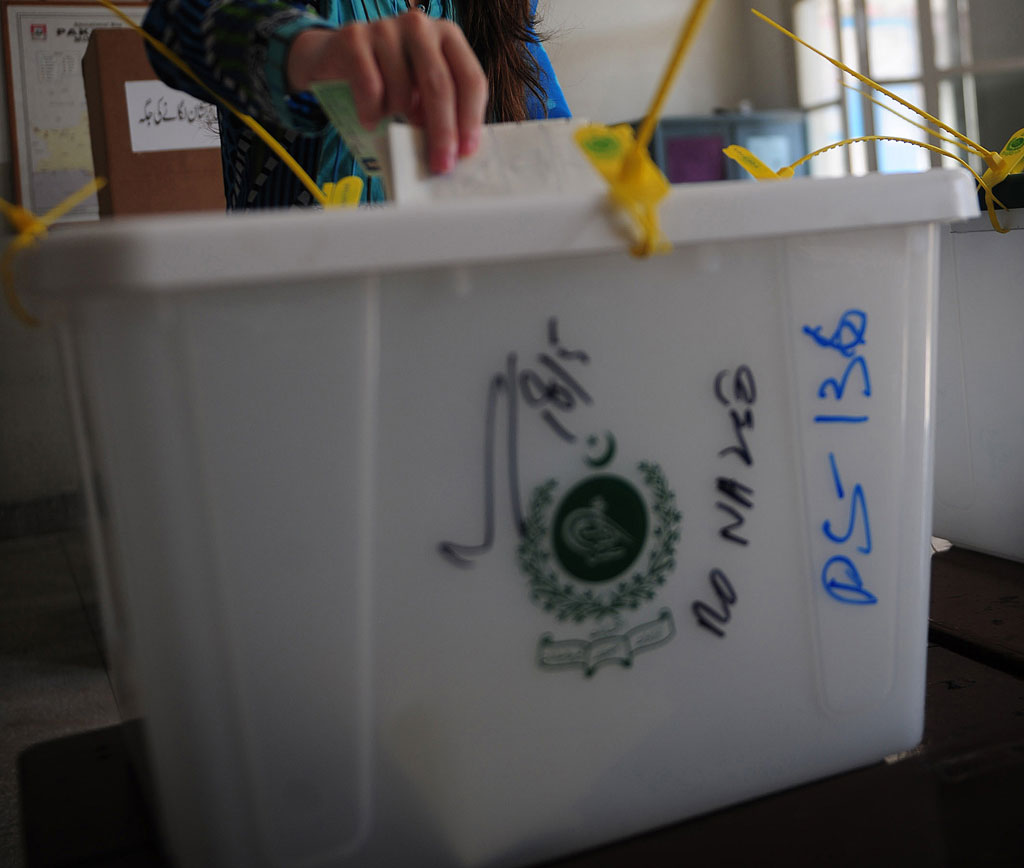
52 678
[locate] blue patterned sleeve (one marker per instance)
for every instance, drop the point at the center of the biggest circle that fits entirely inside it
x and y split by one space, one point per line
238 49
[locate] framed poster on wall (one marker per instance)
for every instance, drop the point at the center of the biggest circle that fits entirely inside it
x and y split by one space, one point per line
44 43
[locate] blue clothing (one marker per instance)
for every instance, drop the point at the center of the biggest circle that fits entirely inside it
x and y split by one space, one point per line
238 48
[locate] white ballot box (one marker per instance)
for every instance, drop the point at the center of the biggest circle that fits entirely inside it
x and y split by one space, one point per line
458 536
979 462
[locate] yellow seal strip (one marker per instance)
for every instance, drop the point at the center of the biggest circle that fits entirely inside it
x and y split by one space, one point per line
345 193
1012 156
686 36
636 184
933 133
1014 150
757 168
933 148
989 157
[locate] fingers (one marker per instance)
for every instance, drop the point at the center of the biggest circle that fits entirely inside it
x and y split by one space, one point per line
355 51
471 89
389 54
411 64
436 92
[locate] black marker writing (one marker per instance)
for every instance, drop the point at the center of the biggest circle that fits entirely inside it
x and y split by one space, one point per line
737 495
557 391
710 618
501 384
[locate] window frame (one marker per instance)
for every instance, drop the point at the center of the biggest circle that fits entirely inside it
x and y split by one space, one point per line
962 75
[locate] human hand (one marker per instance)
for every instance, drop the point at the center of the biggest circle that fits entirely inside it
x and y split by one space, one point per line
410 64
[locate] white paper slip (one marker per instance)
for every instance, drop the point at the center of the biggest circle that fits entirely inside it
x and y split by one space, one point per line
513 158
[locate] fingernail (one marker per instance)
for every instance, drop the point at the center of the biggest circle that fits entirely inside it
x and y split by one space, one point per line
444 160
470 143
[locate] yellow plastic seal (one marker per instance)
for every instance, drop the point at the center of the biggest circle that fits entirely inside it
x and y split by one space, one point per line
346 193
636 183
754 165
1014 151
1010 162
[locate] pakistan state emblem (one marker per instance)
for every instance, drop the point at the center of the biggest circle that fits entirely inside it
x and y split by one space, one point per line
596 556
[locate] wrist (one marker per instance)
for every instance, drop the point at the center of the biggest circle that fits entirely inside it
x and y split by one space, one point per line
303 52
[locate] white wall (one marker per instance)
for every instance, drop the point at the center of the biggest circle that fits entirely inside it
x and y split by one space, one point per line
770 59
610 55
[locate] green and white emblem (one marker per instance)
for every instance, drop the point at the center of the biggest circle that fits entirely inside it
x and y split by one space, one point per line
601 554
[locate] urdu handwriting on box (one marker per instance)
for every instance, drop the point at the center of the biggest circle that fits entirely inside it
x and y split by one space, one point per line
163 119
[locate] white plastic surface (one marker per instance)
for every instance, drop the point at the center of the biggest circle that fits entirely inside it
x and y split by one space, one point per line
979 464
291 415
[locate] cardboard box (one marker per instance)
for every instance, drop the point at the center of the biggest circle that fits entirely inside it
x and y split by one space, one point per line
157 147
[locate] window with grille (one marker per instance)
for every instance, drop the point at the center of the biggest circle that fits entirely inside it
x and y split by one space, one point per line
960 60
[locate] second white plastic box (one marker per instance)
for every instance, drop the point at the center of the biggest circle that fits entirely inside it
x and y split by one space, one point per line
979 463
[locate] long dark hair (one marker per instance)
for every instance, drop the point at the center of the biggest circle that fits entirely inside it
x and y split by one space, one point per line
499 31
